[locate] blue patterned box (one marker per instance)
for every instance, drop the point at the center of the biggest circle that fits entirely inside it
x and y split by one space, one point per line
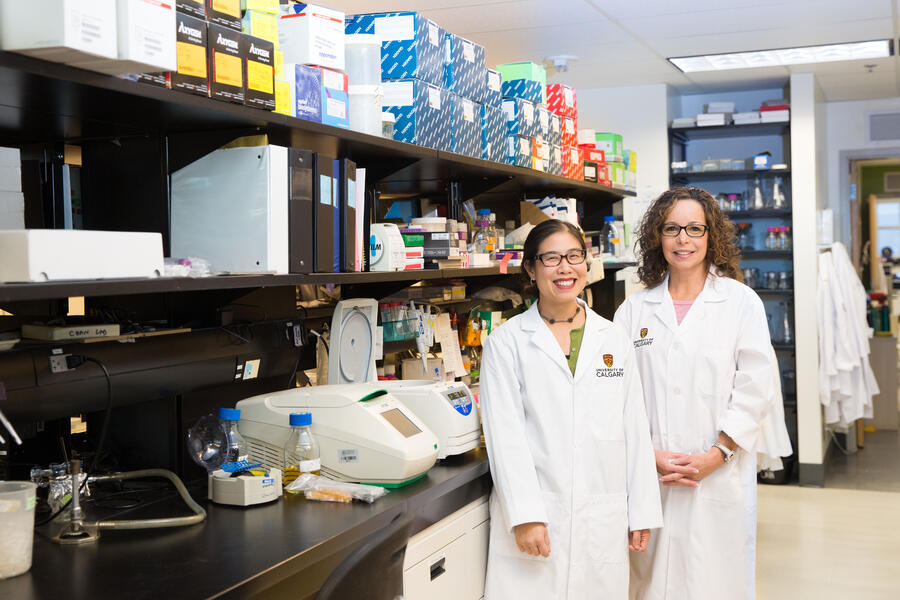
555 166
493 133
543 118
306 91
518 151
527 89
464 70
465 126
422 111
493 94
521 117
555 136
411 47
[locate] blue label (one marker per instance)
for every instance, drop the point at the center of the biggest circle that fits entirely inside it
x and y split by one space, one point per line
464 409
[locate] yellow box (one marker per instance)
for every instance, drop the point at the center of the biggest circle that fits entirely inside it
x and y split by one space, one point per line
279 65
632 161
261 25
267 6
283 98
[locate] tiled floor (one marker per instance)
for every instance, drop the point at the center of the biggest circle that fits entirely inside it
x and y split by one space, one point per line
841 542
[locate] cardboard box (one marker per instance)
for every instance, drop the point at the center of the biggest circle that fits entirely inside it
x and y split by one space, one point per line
193 8
464 67
538 152
226 64
521 117
555 136
412 46
259 71
226 13
313 36
556 160
573 163
543 122
525 70
192 74
157 79
335 98
261 24
465 135
527 89
266 6
592 154
568 135
518 151
493 93
611 144
422 111
590 171
617 173
64 31
630 157
305 83
493 133
283 96
562 100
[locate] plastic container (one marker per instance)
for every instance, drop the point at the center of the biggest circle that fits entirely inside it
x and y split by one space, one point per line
610 243
388 119
235 448
362 55
365 108
17 524
301 452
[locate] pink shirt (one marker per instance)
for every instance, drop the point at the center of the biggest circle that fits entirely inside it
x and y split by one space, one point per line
681 308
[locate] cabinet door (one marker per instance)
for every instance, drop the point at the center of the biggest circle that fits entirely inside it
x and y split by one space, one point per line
444 575
477 552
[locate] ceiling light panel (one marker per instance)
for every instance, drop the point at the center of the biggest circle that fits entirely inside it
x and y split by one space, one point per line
784 56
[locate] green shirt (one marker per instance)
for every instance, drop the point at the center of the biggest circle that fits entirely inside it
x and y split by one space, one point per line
575 337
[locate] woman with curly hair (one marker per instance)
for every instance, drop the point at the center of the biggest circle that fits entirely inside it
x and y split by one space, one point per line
703 352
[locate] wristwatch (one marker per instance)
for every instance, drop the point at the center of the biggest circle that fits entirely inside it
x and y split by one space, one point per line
726 453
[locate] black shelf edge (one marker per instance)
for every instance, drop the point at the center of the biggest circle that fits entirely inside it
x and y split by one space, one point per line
14 292
726 131
767 254
759 214
763 292
722 175
612 265
782 346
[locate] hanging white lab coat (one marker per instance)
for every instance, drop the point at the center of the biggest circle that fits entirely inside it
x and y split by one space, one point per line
711 373
571 452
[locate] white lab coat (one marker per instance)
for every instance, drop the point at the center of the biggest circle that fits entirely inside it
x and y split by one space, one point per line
571 452
711 373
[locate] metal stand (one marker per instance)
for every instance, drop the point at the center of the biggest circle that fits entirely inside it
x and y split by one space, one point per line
75 532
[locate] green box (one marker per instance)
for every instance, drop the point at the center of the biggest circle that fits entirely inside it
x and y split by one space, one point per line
413 240
611 144
617 172
269 6
523 70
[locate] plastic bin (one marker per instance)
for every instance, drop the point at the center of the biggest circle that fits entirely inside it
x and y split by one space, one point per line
17 500
363 58
395 331
365 109
388 119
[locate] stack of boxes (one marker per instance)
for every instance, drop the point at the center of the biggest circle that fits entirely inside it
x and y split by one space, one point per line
311 39
465 77
431 242
562 101
522 88
493 120
412 73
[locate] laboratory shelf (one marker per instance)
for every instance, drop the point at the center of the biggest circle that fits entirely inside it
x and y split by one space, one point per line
684 134
767 253
763 292
723 175
763 213
44 101
783 346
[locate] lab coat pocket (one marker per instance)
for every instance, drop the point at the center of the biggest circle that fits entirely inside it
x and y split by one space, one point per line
723 484
608 528
606 410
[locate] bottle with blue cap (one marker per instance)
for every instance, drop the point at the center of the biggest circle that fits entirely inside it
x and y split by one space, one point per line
610 242
301 452
236 448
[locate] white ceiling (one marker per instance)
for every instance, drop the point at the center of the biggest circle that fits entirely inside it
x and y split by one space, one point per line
626 42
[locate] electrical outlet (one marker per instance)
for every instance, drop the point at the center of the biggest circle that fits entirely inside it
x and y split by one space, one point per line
58 363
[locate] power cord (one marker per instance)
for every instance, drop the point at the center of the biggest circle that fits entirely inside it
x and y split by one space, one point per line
74 361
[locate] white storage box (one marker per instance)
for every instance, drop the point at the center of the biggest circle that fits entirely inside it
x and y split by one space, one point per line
313 37
63 254
146 39
66 31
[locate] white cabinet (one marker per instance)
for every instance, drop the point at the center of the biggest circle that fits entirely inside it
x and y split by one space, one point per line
448 560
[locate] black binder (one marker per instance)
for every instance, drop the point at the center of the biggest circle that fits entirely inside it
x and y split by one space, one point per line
348 215
324 214
301 189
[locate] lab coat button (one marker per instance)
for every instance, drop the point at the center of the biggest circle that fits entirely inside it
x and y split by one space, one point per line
677 391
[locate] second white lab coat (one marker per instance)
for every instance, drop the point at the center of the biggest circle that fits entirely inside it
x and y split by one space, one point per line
711 373
573 452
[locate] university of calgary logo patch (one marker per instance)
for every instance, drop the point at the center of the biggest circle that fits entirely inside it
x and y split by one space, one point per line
643 332
608 360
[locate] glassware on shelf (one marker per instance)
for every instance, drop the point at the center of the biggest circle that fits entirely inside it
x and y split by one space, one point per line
784 280
757 200
771 280
751 277
787 331
784 238
779 200
744 240
737 202
722 199
772 241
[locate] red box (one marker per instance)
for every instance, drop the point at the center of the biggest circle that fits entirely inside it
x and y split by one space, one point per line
573 163
592 154
561 99
603 174
568 132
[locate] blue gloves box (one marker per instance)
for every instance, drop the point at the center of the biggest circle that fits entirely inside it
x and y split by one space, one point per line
465 126
411 47
493 94
521 117
422 111
555 166
555 136
543 119
518 151
464 68
493 133
527 89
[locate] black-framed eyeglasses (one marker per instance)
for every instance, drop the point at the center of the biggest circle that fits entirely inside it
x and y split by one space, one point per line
694 230
552 259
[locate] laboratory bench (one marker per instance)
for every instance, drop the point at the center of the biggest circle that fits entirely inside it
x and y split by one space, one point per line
285 549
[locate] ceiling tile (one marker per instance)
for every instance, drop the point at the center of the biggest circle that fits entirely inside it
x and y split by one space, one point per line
864 86
578 40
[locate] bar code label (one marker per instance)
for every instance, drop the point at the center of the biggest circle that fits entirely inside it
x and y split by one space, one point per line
348 456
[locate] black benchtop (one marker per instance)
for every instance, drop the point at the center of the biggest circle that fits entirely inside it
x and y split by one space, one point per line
283 549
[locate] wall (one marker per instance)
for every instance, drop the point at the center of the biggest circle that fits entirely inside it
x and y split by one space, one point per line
847 135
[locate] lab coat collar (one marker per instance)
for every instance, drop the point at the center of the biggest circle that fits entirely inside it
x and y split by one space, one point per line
543 338
713 291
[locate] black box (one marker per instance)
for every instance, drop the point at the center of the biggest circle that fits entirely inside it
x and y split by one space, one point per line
301 219
590 171
226 64
191 42
259 72
226 13
194 8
